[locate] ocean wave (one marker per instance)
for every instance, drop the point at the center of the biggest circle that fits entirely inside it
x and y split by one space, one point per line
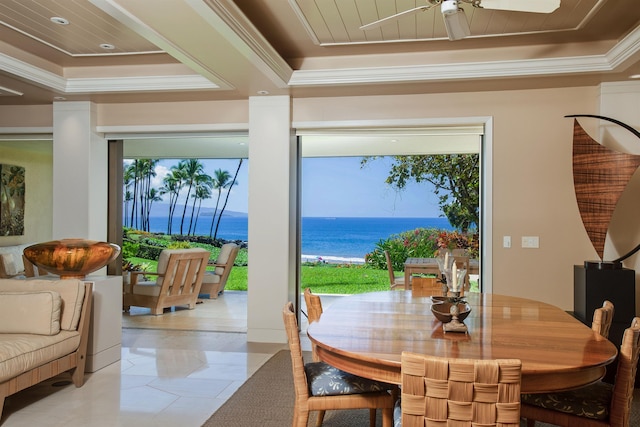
328 259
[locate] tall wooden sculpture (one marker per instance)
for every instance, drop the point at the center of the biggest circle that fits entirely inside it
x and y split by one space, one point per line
600 175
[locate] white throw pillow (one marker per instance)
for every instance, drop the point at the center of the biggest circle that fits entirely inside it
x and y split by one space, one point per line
30 312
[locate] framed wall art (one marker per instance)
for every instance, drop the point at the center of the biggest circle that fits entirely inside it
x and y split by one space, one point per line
12 192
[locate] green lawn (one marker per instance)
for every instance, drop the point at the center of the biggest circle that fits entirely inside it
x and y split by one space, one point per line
321 278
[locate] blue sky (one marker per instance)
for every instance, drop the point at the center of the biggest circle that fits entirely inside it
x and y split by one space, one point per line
333 187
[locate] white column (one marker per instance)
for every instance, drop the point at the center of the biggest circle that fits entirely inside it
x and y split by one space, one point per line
79 173
272 217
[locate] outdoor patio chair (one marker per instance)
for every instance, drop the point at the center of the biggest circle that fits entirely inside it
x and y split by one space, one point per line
321 387
32 270
178 281
394 281
597 405
213 282
442 391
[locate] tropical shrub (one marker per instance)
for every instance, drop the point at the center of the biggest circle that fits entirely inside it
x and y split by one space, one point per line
457 240
178 245
129 249
419 243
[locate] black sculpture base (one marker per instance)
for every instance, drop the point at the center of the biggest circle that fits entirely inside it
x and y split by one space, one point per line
603 265
592 286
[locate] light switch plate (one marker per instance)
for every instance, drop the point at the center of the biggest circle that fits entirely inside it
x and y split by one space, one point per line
530 242
506 241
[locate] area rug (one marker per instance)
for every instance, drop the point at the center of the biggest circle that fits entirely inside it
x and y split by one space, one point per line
266 399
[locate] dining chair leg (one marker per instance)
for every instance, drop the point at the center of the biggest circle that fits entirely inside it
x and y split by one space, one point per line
320 418
300 418
387 417
531 423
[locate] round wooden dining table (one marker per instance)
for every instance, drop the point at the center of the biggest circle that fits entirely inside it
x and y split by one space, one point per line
365 334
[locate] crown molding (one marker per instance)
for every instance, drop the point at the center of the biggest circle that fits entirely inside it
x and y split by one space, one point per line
138 84
32 73
60 84
448 72
616 56
625 49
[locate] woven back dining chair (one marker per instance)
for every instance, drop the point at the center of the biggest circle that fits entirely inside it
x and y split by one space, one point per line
439 391
603 318
321 387
597 405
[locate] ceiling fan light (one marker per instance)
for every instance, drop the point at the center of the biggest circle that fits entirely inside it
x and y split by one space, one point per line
456 23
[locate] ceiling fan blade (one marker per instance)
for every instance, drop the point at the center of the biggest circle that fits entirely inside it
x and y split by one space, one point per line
536 6
379 22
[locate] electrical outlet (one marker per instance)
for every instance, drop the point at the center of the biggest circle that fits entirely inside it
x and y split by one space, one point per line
530 242
506 241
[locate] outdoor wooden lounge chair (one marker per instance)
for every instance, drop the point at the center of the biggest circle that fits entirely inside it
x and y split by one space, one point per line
321 387
213 282
179 278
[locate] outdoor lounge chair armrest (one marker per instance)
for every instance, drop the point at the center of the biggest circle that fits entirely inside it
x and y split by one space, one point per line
135 274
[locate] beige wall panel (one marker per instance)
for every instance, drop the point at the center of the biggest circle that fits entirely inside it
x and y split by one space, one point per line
184 113
26 116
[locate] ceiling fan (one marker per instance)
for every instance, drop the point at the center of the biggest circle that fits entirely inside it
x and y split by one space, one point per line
455 20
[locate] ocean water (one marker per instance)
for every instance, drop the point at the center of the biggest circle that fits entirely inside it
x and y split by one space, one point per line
321 237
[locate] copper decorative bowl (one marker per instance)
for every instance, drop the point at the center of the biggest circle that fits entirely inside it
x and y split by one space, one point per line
72 258
442 311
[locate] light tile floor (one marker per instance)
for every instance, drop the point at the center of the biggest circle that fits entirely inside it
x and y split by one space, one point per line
166 377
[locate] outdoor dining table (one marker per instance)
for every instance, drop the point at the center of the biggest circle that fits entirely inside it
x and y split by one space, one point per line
430 266
365 334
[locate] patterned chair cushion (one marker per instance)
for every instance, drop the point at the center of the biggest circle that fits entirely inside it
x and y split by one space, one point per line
397 414
590 402
325 380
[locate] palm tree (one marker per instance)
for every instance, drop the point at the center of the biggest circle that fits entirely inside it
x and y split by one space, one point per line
203 191
128 178
154 196
132 172
227 198
220 182
200 181
172 186
128 196
147 171
190 169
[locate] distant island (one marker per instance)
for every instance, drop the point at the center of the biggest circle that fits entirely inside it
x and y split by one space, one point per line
161 210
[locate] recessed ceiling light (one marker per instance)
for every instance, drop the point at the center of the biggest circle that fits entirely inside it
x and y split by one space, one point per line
60 21
263 92
59 98
107 46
